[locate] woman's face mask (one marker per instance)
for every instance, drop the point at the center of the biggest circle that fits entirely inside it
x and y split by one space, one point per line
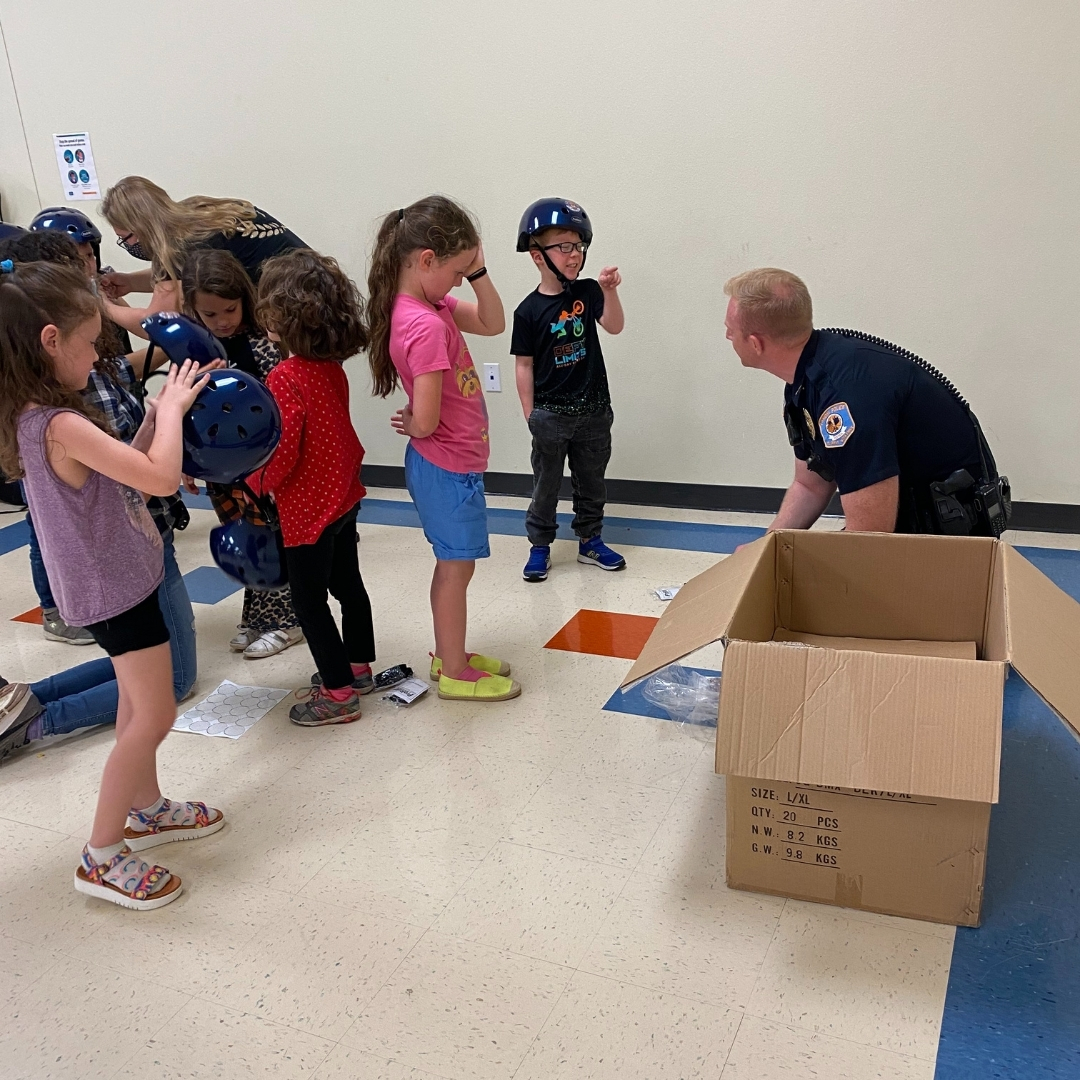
134 249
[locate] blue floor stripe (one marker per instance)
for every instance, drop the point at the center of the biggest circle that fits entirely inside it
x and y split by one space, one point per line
633 701
208 585
637 532
1059 564
1012 1011
14 536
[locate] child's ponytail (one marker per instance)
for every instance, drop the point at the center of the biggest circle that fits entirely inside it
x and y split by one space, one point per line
436 223
33 296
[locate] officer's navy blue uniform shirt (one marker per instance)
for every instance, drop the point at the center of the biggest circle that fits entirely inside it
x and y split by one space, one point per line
870 414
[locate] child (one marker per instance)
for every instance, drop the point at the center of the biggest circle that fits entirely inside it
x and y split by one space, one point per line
562 382
422 252
308 305
103 555
86 236
218 292
110 389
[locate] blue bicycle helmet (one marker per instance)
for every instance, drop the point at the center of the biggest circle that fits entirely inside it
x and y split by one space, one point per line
73 223
232 429
553 214
181 338
249 554
9 231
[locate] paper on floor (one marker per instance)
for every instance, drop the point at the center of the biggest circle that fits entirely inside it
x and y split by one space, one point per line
229 711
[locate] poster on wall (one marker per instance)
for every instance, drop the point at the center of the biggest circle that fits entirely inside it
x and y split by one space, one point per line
75 159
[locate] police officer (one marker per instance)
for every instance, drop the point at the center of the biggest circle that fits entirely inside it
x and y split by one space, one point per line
881 427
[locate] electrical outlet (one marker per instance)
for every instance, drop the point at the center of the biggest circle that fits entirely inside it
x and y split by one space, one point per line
492 379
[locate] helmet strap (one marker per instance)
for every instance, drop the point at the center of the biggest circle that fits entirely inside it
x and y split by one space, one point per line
564 281
146 372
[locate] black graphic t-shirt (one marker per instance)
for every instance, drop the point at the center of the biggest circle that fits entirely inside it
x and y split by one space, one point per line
255 241
559 333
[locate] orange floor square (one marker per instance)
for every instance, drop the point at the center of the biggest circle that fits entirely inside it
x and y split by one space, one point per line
31 616
604 633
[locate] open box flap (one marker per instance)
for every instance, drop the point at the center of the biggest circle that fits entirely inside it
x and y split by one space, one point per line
1043 628
703 608
924 726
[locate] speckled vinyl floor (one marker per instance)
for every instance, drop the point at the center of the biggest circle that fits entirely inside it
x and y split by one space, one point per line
530 890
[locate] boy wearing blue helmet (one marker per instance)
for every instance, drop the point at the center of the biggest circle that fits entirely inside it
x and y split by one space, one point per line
562 381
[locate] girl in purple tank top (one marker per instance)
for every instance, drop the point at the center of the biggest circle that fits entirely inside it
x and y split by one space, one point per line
102 553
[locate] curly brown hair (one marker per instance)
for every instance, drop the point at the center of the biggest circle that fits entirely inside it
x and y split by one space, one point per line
219 273
55 247
33 296
312 305
436 223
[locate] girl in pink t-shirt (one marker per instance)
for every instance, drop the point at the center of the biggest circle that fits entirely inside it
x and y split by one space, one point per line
422 252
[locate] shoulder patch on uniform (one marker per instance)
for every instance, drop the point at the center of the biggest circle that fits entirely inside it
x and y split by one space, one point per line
836 425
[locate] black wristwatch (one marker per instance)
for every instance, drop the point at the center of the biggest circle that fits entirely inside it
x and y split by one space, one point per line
476 276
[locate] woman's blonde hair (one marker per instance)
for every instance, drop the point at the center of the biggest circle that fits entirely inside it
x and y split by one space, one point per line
166 227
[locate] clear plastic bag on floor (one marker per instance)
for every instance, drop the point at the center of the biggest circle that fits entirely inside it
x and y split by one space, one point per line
688 697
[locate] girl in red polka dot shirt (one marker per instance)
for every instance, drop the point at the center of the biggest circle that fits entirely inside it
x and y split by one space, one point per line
308 304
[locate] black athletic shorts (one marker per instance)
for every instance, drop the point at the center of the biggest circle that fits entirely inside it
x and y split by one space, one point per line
140 627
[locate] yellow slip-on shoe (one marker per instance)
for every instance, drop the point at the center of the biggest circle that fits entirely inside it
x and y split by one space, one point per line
487 688
477 662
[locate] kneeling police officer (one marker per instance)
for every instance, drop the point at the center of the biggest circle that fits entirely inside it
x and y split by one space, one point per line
867 418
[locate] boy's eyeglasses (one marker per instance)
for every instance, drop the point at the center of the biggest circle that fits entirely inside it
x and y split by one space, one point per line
568 247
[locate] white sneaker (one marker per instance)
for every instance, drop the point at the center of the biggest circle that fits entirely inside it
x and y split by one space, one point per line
273 642
243 639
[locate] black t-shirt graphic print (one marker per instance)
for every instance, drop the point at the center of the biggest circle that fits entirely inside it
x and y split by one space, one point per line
559 333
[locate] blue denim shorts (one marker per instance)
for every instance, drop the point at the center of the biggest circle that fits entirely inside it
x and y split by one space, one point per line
451 506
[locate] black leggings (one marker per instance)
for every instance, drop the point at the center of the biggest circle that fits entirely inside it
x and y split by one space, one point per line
332 565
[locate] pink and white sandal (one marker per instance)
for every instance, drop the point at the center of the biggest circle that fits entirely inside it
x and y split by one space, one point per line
128 881
174 821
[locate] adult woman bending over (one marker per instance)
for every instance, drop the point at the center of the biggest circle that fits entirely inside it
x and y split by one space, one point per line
152 226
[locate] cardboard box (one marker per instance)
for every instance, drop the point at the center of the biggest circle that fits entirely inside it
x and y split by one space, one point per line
860 707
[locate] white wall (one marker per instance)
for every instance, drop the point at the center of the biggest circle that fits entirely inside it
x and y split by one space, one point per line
916 162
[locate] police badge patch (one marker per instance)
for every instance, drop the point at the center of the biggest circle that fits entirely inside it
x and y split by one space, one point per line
836 425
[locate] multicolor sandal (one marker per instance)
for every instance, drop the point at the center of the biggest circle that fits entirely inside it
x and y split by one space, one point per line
128 881
174 821
477 662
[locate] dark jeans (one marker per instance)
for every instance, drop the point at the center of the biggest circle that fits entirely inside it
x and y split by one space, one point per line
37 570
332 565
586 441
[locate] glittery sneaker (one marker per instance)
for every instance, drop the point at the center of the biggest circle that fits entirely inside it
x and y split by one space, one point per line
57 630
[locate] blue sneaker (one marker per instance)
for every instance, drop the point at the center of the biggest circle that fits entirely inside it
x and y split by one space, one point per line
536 569
595 551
